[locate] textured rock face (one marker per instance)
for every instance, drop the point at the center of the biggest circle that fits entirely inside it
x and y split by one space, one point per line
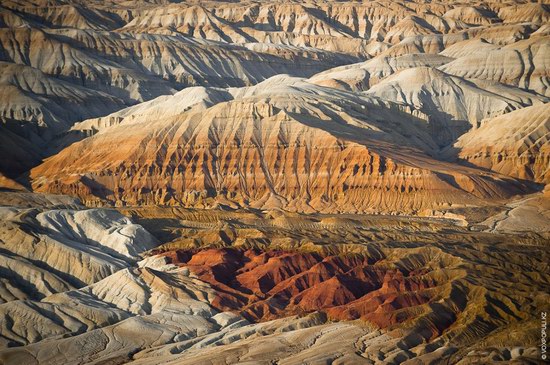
362 76
515 144
58 57
284 143
239 145
82 56
266 285
52 251
128 293
524 64
49 73
427 302
452 104
28 95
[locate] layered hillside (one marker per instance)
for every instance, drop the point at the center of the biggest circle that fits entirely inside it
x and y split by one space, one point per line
49 73
524 64
274 182
274 286
108 55
362 76
515 144
284 143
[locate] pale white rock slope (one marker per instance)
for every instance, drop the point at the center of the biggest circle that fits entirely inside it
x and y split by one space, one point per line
453 104
47 252
103 228
362 76
524 64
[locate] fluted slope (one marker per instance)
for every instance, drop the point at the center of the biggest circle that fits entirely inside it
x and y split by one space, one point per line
362 76
415 292
52 251
296 146
516 144
289 182
96 60
525 64
452 104
48 75
49 104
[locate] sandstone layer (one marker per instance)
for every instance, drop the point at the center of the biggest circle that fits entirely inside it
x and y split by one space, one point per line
515 144
283 143
280 182
108 55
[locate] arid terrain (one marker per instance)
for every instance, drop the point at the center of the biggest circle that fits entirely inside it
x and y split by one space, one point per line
274 182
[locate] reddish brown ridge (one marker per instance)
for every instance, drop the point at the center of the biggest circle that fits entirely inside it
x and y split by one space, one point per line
268 285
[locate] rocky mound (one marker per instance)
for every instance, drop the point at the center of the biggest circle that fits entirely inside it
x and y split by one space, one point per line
109 56
242 143
267 285
362 76
523 64
530 12
453 105
419 289
425 291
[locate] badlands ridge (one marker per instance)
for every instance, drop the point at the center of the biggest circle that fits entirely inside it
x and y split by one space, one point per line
283 182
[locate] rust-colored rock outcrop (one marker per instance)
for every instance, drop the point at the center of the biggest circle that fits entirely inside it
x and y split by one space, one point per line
273 284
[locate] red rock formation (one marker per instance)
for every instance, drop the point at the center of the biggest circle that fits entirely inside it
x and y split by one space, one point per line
268 285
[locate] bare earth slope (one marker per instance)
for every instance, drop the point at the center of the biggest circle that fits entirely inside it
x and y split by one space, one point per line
515 144
55 250
48 73
291 287
296 146
274 182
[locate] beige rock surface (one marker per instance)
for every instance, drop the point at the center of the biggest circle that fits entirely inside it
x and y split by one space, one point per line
48 73
295 182
362 76
262 149
105 55
165 314
515 144
52 251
